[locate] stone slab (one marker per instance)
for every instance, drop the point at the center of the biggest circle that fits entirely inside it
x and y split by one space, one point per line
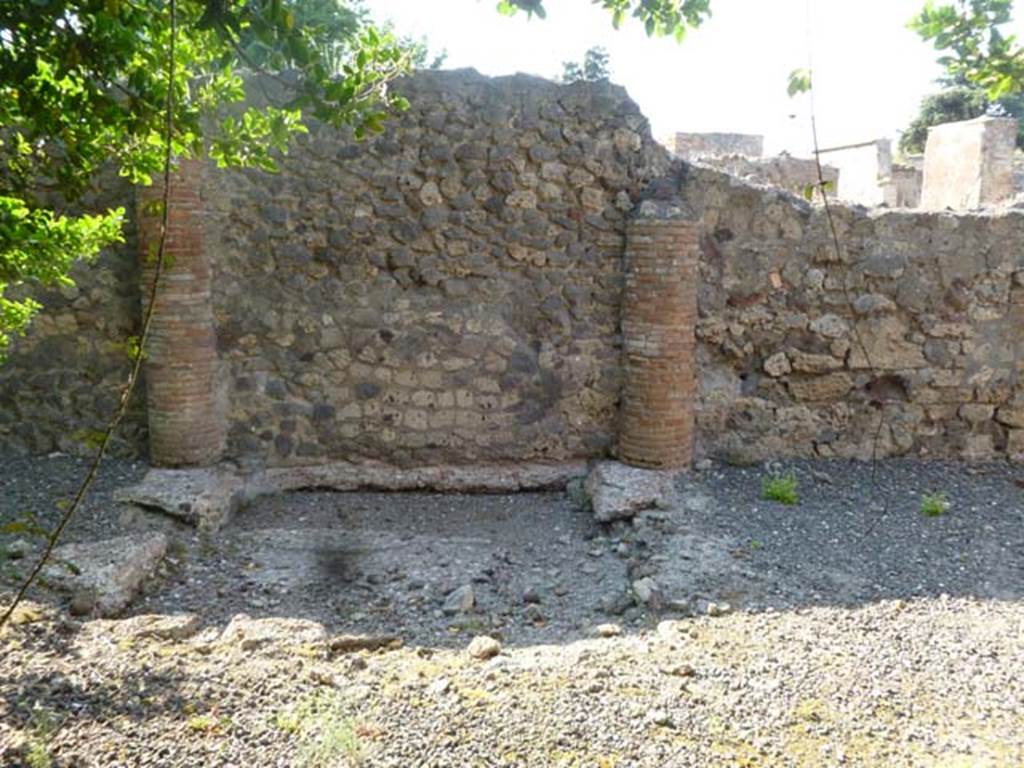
202 497
105 576
617 491
373 476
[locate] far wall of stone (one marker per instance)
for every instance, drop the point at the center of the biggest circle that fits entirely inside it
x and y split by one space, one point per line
969 164
793 174
447 292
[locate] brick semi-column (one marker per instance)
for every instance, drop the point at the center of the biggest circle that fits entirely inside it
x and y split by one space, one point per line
185 427
659 313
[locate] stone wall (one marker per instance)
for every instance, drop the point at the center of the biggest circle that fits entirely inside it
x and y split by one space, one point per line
904 191
969 164
61 382
864 172
451 292
447 292
936 299
793 174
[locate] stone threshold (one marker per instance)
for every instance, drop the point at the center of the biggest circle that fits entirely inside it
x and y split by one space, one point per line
207 497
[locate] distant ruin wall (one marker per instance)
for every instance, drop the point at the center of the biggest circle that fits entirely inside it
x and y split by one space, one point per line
864 172
694 146
969 164
793 174
451 292
904 190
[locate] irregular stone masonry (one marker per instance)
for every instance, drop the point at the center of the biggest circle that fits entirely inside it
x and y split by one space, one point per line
696 146
448 292
793 174
60 383
938 300
451 293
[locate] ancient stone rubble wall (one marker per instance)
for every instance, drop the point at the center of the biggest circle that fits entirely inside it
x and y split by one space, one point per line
60 383
936 299
448 292
451 292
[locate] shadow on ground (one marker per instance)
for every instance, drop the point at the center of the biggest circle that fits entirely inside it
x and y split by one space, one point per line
925 664
541 570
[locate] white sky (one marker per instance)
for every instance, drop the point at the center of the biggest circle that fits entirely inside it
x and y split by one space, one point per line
729 75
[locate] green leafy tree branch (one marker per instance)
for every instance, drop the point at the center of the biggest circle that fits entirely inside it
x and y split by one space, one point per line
659 17
984 67
975 49
595 66
83 85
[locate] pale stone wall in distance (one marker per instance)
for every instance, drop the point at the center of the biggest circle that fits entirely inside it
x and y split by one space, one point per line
969 164
904 191
864 172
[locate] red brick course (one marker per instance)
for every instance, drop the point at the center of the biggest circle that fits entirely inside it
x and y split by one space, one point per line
185 427
659 314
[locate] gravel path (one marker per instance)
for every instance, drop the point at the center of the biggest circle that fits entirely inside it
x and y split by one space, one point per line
856 630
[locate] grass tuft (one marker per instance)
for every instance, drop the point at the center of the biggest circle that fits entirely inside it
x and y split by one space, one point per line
327 737
934 504
780 488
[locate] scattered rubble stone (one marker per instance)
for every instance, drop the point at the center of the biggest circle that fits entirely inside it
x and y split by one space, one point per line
352 643
718 609
646 590
460 600
484 647
249 633
158 626
202 497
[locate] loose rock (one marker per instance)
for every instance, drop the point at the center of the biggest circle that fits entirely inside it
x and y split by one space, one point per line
249 633
484 647
461 600
617 491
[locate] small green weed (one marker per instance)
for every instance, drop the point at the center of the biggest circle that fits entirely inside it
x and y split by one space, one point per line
326 736
202 723
44 726
780 488
209 723
934 504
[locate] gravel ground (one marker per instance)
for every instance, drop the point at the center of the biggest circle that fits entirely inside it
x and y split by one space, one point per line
853 630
